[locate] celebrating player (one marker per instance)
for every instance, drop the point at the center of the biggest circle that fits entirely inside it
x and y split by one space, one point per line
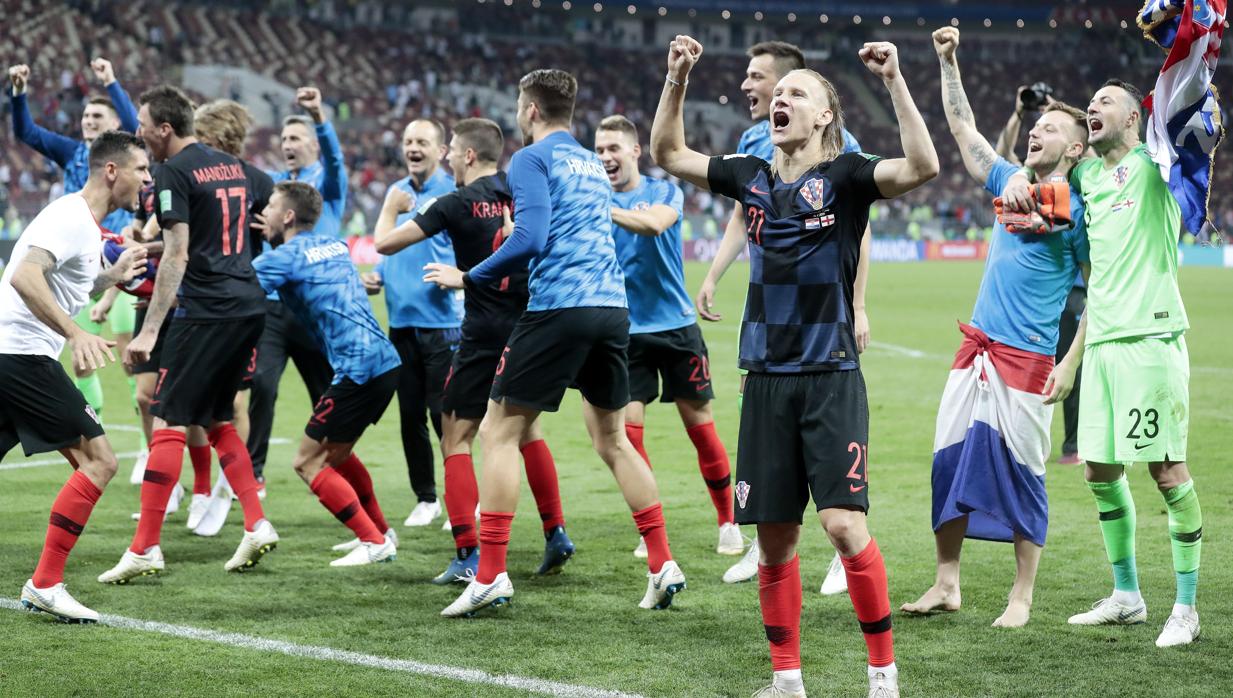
54 271
314 275
768 62
202 208
1134 396
474 214
575 332
424 319
664 337
993 424
115 112
807 429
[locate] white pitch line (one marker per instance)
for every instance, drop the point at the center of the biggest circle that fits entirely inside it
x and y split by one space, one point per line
905 351
441 671
54 461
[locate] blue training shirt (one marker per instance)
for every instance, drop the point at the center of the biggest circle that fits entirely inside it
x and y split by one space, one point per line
562 226
318 281
72 155
328 176
654 273
756 141
411 301
1027 277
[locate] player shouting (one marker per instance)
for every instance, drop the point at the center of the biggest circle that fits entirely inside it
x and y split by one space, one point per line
807 429
474 216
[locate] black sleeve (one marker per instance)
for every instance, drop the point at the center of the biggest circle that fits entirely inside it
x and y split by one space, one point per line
263 189
171 189
728 174
858 172
436 216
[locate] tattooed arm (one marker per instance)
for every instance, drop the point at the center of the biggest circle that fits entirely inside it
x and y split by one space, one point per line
978 155
30 282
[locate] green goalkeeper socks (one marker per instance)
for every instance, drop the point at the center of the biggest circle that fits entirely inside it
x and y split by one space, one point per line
132 392
92 388
1117 525
1186 534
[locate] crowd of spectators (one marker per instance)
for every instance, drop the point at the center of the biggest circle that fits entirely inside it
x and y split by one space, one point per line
379 66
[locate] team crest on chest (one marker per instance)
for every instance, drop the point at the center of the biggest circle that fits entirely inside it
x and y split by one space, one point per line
642 206
1120 175
813 192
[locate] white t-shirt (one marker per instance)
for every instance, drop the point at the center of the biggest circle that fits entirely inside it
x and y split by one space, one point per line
66 228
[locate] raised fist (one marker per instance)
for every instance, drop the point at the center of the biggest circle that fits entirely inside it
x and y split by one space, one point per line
103 71
310 99
19 75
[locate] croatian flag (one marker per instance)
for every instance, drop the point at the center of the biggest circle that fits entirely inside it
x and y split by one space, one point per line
992 441
1184 126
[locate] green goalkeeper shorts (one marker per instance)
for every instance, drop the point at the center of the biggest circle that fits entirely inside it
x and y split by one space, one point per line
84 322
123 314
1134 401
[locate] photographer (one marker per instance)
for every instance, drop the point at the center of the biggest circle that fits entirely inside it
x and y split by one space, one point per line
1029 101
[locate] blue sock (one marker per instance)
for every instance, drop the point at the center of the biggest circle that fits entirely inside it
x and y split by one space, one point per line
1187 583
1126 576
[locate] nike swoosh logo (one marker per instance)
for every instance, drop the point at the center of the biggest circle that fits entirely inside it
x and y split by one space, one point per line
1140 448
854 489
476 599
1126 615
704 386
757 191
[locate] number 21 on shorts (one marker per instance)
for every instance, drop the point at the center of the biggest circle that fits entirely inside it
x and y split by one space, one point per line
859 472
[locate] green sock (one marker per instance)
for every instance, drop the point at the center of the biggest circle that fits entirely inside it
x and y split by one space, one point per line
740 399
92 388
1186 534
132 392
1117 525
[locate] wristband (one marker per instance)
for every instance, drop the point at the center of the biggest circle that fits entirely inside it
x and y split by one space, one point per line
668 77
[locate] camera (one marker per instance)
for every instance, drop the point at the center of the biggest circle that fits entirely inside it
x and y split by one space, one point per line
1035 96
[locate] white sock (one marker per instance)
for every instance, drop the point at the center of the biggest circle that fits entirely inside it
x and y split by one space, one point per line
890 670
1127 598
1181 609
789 680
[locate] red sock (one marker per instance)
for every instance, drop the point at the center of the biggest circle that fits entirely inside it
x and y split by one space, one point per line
494 540
779 592
238 467
634 432
461 497
337 496
162 473
200 458
542 476
867 587
356 475
716 472
650 523
68 517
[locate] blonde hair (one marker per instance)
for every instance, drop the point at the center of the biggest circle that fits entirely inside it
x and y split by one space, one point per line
832 134
223 124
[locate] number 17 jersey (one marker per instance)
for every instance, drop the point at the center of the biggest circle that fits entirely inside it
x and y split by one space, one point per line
210 191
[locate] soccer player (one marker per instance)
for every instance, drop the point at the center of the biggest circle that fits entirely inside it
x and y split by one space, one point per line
1134 396
424 319
115 112
993 423
807 427
664 337
768 62
314 275
53 272
475 214
202 208
312 154
575 332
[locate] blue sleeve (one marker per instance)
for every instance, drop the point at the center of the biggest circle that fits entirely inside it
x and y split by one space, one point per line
59 148
334 175
850 144
999 174
124 107
671 195
275 268
528 182
1078 234
380 266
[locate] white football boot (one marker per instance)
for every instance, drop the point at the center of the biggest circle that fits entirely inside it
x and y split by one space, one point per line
255 544
56 601
477 596
132 565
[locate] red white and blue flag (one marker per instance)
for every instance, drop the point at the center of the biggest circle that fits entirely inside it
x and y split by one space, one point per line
992 440
1184 126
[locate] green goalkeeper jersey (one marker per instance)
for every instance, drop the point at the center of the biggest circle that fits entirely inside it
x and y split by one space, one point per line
1132 224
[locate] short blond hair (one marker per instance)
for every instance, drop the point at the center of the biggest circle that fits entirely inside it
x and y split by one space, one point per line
620 124
223 124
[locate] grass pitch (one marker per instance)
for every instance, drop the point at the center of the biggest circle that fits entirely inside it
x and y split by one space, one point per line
583 627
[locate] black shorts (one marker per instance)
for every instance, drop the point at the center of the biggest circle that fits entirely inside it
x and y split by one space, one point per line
151 365
202 366
347 408
679 356
470 380
250 370
426 353
802 434
40 408
551 350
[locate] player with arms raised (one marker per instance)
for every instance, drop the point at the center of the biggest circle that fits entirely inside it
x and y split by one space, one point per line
807 429
54 271
202 197
1134 398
